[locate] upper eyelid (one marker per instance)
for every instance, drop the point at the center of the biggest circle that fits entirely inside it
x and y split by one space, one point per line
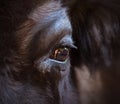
68 45
67 42
64 44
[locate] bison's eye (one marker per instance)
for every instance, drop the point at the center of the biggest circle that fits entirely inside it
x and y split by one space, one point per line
60 54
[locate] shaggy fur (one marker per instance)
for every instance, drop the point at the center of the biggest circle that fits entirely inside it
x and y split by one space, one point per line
30 30
96 28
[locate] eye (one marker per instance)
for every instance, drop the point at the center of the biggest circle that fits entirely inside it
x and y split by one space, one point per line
60 54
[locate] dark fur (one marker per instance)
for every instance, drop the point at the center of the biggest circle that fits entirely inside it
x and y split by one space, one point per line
96 33
30 29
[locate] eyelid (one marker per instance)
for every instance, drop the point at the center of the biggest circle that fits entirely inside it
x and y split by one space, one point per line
69 45
61 62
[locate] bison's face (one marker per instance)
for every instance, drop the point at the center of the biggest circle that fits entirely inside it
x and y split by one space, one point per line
44 39
40 66
37 65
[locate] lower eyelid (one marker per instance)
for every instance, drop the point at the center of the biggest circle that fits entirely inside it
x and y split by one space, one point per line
61 62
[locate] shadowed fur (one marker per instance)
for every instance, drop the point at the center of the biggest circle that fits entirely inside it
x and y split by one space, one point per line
31 31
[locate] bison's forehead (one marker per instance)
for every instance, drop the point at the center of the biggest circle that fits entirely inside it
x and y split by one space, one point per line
51 23
51 15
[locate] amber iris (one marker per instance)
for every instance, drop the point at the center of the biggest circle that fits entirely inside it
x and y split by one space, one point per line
60 54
